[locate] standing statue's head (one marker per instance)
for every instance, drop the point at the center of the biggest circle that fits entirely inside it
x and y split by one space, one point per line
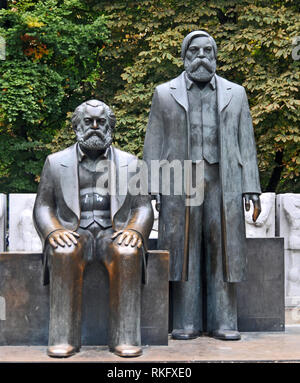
199 54
93 122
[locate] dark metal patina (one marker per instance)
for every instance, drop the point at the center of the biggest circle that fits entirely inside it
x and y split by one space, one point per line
200 116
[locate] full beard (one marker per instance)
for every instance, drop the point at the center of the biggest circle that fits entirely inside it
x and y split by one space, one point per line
95 141
200 70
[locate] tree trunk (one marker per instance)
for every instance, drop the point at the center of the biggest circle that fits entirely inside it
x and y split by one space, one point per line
275 176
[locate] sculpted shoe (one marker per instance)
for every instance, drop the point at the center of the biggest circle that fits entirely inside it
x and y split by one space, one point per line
61 351
185 334
128 351
226 334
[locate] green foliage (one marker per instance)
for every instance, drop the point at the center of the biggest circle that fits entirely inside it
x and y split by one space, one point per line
51 60
59 54
254 40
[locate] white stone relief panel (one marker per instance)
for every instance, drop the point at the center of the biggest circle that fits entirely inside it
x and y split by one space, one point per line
3 212
288 226
291 208
22 233
2 309
264 227
154 232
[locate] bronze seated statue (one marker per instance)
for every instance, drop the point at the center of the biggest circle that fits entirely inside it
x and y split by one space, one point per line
79 221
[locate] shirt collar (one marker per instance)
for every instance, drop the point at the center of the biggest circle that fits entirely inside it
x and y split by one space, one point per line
190 83
81 155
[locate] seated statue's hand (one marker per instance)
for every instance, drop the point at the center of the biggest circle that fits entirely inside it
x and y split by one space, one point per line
128 237
63 237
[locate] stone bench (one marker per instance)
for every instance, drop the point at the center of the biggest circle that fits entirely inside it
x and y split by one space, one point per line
24 301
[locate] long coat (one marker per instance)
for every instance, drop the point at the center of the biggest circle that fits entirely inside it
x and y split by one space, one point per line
57 203
167 138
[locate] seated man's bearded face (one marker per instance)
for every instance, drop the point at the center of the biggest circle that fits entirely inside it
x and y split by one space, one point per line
94 132
200 61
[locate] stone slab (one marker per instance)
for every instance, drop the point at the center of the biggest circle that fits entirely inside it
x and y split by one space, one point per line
292 316
292 278
264 227
261 296
3 220
288 227
154 231
22 233
288 219
253 347
24 301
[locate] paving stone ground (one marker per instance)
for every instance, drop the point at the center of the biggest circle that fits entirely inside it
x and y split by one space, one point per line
260 347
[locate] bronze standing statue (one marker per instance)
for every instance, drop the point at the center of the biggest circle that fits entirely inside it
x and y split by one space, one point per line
200 116
78 221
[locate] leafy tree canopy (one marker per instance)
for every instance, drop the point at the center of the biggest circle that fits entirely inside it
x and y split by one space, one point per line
64 66
52 52
255 43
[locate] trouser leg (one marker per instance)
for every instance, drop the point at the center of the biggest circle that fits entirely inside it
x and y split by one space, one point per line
187 296
221 296
66 266
124 265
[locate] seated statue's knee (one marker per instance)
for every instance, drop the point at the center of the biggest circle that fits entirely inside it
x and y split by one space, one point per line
126 251
69 251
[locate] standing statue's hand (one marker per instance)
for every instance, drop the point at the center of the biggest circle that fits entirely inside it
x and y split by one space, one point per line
63 237
128 237
256 204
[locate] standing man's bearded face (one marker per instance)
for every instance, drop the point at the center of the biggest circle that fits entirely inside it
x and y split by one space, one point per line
94 131
200 60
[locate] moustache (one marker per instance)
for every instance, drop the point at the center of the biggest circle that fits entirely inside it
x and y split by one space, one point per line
95 133
196 63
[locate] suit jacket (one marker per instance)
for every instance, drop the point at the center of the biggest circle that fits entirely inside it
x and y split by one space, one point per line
57 203
168 138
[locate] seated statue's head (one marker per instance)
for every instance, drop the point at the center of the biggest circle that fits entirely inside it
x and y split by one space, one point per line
199 54
93 122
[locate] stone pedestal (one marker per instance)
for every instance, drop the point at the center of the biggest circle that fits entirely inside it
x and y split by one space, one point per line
264 227
3 208
24 301
288 226
261 295
22 234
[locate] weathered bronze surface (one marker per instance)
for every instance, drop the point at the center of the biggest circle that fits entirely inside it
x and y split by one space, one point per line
200 116
79 221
